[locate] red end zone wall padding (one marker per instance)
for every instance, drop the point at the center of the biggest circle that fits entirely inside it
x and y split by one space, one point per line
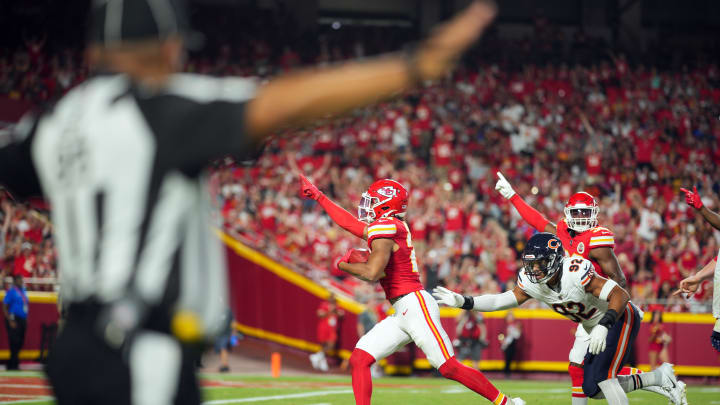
272 304
11 110
276 307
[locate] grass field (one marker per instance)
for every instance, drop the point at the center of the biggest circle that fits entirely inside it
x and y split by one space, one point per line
220 389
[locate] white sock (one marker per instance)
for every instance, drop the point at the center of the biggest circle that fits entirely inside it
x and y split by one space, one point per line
716 328
579 401
634 382
614 393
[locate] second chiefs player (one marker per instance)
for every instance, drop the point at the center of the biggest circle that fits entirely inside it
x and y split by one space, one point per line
581 236
392 263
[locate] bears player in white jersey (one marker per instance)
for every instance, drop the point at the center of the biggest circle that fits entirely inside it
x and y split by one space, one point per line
581 236
572 288
392 262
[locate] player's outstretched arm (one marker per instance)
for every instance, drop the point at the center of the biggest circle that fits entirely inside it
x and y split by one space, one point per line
690 285
605 257
374 268
617 298
483 303
341 217
528 213
692 198
304 96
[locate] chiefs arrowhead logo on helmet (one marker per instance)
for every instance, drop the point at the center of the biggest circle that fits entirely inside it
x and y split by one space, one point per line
383 199
387 191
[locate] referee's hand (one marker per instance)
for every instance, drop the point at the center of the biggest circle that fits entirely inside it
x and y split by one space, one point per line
441 50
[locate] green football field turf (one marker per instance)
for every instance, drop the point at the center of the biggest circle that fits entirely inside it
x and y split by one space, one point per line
220 389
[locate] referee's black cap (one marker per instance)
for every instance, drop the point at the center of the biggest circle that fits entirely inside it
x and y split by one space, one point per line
115 22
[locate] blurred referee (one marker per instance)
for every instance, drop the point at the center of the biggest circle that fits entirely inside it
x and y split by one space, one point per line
121 159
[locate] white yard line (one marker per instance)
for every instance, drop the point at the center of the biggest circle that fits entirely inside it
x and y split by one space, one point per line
277 397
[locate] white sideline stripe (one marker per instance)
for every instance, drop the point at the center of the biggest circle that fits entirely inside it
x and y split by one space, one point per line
28 401
275 397
24 386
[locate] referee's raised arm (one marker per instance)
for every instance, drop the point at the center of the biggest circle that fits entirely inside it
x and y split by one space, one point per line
307 95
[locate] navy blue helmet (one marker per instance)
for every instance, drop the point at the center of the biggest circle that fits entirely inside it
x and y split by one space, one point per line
542 257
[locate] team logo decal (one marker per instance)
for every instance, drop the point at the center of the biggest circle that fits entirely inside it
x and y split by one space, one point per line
581 248
553 244
387 191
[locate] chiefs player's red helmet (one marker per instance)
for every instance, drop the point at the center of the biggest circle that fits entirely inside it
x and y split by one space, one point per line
384 198
581 212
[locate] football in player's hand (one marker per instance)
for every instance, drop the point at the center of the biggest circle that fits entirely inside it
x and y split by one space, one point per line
353 256
358 256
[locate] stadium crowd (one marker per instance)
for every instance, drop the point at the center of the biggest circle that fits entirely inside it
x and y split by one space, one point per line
630 134
631 137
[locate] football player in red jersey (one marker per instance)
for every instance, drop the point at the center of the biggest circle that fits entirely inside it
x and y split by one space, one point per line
392 262
581 236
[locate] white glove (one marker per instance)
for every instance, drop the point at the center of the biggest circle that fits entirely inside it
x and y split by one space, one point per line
447 297
504 187
597 339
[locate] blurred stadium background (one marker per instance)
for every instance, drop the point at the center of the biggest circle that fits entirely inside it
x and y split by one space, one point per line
620 98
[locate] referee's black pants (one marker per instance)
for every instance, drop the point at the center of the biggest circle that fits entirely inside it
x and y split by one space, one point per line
16 339
84 370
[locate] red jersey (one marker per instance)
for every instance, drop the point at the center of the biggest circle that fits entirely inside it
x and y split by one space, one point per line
584 242
401 273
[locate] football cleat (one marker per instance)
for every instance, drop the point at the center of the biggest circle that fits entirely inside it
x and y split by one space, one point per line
683 388
671 384
314 361
517 401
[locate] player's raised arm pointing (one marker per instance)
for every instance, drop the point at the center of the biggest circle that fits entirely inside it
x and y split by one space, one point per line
528 213
339 215
693 199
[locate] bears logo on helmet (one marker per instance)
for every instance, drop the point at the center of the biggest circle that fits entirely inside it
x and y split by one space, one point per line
542 257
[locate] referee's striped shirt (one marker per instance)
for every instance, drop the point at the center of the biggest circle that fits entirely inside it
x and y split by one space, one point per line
122 167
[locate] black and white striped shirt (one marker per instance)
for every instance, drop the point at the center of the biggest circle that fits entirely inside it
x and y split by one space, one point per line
122 168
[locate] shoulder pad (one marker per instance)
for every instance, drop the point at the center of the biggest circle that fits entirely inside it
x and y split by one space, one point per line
382 228
586 272
601 230
601 237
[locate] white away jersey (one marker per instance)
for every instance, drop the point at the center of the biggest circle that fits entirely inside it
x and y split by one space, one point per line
571 301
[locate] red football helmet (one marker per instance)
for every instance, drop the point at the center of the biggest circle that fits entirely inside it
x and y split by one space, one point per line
384 198
581 212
